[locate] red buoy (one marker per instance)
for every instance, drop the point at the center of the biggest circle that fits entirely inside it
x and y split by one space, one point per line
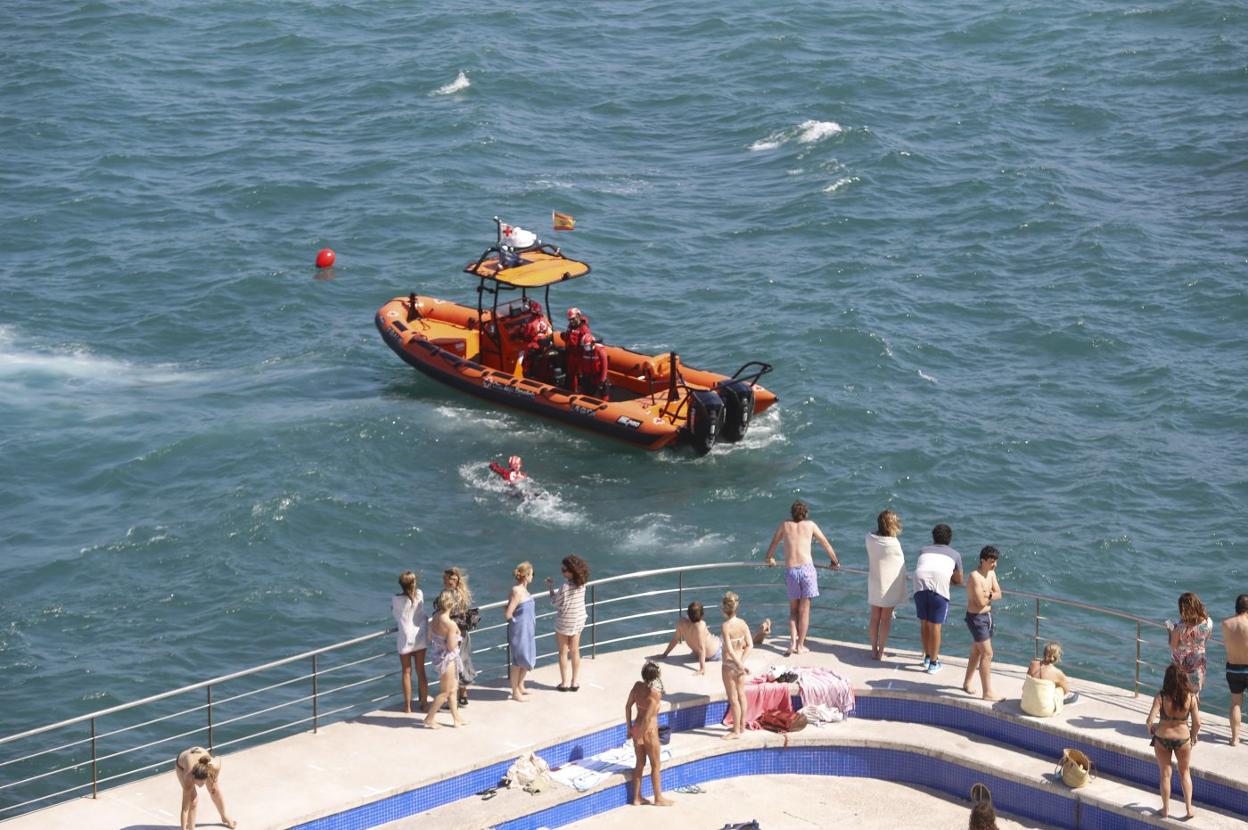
325 258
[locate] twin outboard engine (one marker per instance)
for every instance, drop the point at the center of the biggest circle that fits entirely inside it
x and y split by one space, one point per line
706 419
722 413
738 398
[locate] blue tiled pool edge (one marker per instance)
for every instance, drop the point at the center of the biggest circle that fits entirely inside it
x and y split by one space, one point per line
1053 807
1141 772
871 707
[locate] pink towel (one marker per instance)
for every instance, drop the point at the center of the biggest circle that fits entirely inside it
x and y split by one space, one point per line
762 696
822 686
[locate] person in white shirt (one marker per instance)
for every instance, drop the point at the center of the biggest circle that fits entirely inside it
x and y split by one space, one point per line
938 567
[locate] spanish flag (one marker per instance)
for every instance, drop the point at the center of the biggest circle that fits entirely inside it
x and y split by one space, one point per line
562 221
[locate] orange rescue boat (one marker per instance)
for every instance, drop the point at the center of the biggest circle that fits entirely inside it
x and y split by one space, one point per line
650 401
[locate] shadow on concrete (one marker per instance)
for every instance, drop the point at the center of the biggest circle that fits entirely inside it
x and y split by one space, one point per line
1131 729
394 722
680 699
900 684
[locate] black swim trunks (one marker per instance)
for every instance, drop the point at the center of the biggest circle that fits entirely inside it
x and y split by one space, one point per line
1237 677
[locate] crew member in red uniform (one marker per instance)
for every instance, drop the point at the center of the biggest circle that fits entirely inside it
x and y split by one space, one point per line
578 330
592 379
539 339
512 473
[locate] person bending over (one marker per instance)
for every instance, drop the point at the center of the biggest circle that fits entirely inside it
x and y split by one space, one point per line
197 768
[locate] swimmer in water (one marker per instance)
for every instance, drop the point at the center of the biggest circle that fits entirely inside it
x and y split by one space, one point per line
513 473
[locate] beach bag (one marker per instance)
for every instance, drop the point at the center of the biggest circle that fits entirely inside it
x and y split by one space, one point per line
467 620
530 772
782 720
1075 768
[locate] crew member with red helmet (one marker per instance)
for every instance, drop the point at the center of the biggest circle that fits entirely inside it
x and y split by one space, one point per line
512 473
578 330
592 379
539 338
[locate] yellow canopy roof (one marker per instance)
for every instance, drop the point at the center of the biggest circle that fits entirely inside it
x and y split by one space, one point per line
537 268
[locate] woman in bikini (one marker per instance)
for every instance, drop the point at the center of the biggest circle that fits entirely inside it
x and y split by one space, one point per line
444 656
1172 707
737 641
197 768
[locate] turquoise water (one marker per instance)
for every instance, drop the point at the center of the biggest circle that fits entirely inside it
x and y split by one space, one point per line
995 253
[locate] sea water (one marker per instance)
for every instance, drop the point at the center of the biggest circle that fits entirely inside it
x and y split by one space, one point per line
995 253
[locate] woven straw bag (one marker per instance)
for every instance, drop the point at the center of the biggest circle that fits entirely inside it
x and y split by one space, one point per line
1076 768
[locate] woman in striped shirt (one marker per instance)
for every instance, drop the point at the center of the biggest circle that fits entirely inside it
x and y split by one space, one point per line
569 602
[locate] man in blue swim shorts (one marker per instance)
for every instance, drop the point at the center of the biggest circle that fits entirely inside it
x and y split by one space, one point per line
800 577
981 589
937 567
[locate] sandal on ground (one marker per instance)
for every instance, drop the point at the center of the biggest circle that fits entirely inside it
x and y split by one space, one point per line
562 689
574 688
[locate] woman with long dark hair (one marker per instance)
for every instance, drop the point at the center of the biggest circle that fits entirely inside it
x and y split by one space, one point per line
1188 636
1173 707
569 602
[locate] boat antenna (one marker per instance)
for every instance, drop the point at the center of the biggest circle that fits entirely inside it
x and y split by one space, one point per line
498 231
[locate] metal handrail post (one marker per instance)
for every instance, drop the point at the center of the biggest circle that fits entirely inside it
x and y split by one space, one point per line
680 593
1139 631
593 624
1035 644
94 771
314 696
209 718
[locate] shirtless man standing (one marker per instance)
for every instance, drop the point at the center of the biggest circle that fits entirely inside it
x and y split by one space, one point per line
799 570
981 589
702 643
646 695
1235 638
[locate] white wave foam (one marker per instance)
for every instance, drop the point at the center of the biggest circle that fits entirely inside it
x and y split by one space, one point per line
812 131
529 499
456 417
656 530
844 181
926 376
807 132
78 364
461 82
764 431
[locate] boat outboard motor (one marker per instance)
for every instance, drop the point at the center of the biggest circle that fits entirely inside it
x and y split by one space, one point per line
706 419
738 398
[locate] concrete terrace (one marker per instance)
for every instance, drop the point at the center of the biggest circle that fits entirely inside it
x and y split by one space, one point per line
384 753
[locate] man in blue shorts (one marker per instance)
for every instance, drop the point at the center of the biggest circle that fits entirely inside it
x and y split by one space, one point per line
800 577
937 567
981 589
